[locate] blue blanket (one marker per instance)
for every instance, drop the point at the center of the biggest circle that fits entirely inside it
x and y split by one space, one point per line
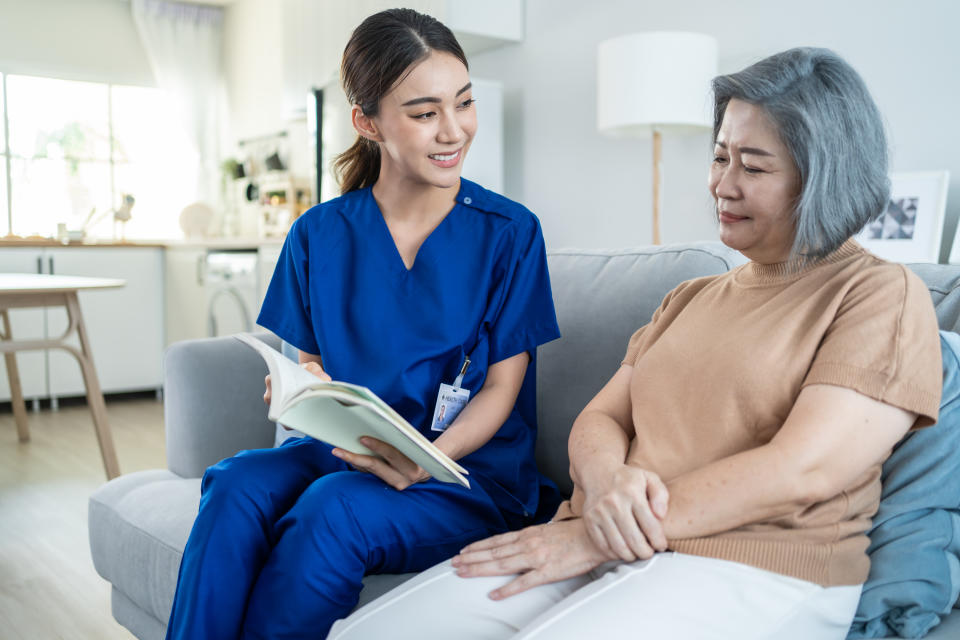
915 540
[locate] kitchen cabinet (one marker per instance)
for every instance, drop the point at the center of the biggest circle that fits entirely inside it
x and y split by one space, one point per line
212 288
315 34
186 303
125 325
25 324
267 257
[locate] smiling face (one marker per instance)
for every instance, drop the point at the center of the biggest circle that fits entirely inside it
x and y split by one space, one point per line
425 123
755 185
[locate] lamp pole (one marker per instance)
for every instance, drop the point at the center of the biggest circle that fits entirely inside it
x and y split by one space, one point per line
654 81
656 185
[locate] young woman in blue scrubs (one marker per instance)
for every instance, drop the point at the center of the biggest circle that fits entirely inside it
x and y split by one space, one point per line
411 276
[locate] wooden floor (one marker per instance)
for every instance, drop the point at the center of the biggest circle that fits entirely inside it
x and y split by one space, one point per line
48 586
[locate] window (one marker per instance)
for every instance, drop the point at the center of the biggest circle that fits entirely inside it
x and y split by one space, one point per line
76 148
4 167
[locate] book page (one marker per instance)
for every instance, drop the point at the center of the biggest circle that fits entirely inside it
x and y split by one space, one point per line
287 378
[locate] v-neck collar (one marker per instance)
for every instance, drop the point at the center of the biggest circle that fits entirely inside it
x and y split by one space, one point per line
426 254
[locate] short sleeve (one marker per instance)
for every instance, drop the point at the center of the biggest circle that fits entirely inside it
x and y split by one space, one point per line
286 306
637 344
884 343
634 346
526 318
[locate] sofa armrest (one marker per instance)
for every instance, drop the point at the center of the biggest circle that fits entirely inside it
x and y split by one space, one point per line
213 402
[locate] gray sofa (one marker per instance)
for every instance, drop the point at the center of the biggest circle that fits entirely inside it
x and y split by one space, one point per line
139 522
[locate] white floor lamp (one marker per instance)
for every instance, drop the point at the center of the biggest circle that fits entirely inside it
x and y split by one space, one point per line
655 82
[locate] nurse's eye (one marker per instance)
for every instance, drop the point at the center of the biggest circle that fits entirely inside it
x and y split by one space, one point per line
466 104
719 160
424 116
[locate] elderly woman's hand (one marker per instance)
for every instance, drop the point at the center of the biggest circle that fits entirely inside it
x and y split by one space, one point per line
540 554
623 510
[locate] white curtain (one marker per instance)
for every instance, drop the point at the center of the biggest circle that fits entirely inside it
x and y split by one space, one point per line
183 45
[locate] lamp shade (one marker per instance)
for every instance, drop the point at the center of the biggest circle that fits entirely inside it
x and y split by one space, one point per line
658 79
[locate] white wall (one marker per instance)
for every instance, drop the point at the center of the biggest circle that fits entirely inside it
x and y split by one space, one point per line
253 64
594 191
92 40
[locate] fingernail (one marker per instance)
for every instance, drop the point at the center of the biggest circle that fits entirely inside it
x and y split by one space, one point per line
336 452
455 561
494 595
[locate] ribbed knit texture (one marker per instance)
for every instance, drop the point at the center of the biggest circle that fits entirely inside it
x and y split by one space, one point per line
720 366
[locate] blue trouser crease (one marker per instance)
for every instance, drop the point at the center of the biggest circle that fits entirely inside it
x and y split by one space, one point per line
284 537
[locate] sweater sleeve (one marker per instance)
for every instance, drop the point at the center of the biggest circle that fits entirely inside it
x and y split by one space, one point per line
884 343
637 344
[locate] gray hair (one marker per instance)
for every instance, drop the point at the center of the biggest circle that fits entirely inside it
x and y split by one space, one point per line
832 127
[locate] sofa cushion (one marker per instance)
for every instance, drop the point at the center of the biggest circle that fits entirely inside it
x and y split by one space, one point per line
140 623
139 524
915 540
601 298
944 285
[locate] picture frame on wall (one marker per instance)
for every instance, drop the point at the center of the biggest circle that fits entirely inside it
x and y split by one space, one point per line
911 226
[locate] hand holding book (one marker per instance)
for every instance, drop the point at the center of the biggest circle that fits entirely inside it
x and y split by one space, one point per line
390 465
344 415
312 367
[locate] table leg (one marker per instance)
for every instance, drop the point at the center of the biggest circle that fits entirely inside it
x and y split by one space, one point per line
13 375
94 394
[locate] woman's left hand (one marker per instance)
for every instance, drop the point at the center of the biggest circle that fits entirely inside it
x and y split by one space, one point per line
540 554
394 468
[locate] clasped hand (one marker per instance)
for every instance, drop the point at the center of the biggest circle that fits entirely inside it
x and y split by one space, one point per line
394 468
621 521
623 510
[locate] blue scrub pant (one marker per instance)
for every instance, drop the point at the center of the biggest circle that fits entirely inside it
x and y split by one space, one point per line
284 537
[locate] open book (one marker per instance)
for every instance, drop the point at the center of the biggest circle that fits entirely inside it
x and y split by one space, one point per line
340 413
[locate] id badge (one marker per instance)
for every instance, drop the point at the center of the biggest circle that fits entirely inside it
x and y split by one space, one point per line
450 401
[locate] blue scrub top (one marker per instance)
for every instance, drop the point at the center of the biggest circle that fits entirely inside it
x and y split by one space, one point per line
479 286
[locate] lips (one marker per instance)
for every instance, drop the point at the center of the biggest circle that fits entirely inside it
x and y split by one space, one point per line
726 216
446 159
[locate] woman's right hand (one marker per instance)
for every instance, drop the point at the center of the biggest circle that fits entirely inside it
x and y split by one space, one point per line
312 367
623 512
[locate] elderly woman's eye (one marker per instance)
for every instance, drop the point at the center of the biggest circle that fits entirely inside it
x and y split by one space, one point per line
719 159
752 170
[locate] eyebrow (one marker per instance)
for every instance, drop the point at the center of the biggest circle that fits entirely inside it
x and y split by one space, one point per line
748 150
410 103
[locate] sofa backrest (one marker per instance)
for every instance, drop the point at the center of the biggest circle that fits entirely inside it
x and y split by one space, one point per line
943 280
602 297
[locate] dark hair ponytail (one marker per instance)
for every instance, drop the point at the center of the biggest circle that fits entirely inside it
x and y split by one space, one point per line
376 58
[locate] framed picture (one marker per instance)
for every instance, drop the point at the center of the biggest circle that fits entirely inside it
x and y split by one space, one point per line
911 226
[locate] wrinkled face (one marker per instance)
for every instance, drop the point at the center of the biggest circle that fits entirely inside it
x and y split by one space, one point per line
427 122
755 185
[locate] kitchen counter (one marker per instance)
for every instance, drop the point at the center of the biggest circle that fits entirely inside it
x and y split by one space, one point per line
196 243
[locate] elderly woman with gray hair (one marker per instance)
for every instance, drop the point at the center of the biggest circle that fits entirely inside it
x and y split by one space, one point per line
726 475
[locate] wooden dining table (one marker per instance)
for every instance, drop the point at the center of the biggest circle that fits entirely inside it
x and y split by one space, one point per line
29 290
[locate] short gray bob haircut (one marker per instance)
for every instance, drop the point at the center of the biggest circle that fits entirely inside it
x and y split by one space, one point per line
830 124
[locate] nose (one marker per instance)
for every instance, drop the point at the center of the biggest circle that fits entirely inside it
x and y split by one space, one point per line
450 131
726 186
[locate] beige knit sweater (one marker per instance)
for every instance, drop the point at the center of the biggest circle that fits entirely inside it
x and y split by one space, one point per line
720 365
